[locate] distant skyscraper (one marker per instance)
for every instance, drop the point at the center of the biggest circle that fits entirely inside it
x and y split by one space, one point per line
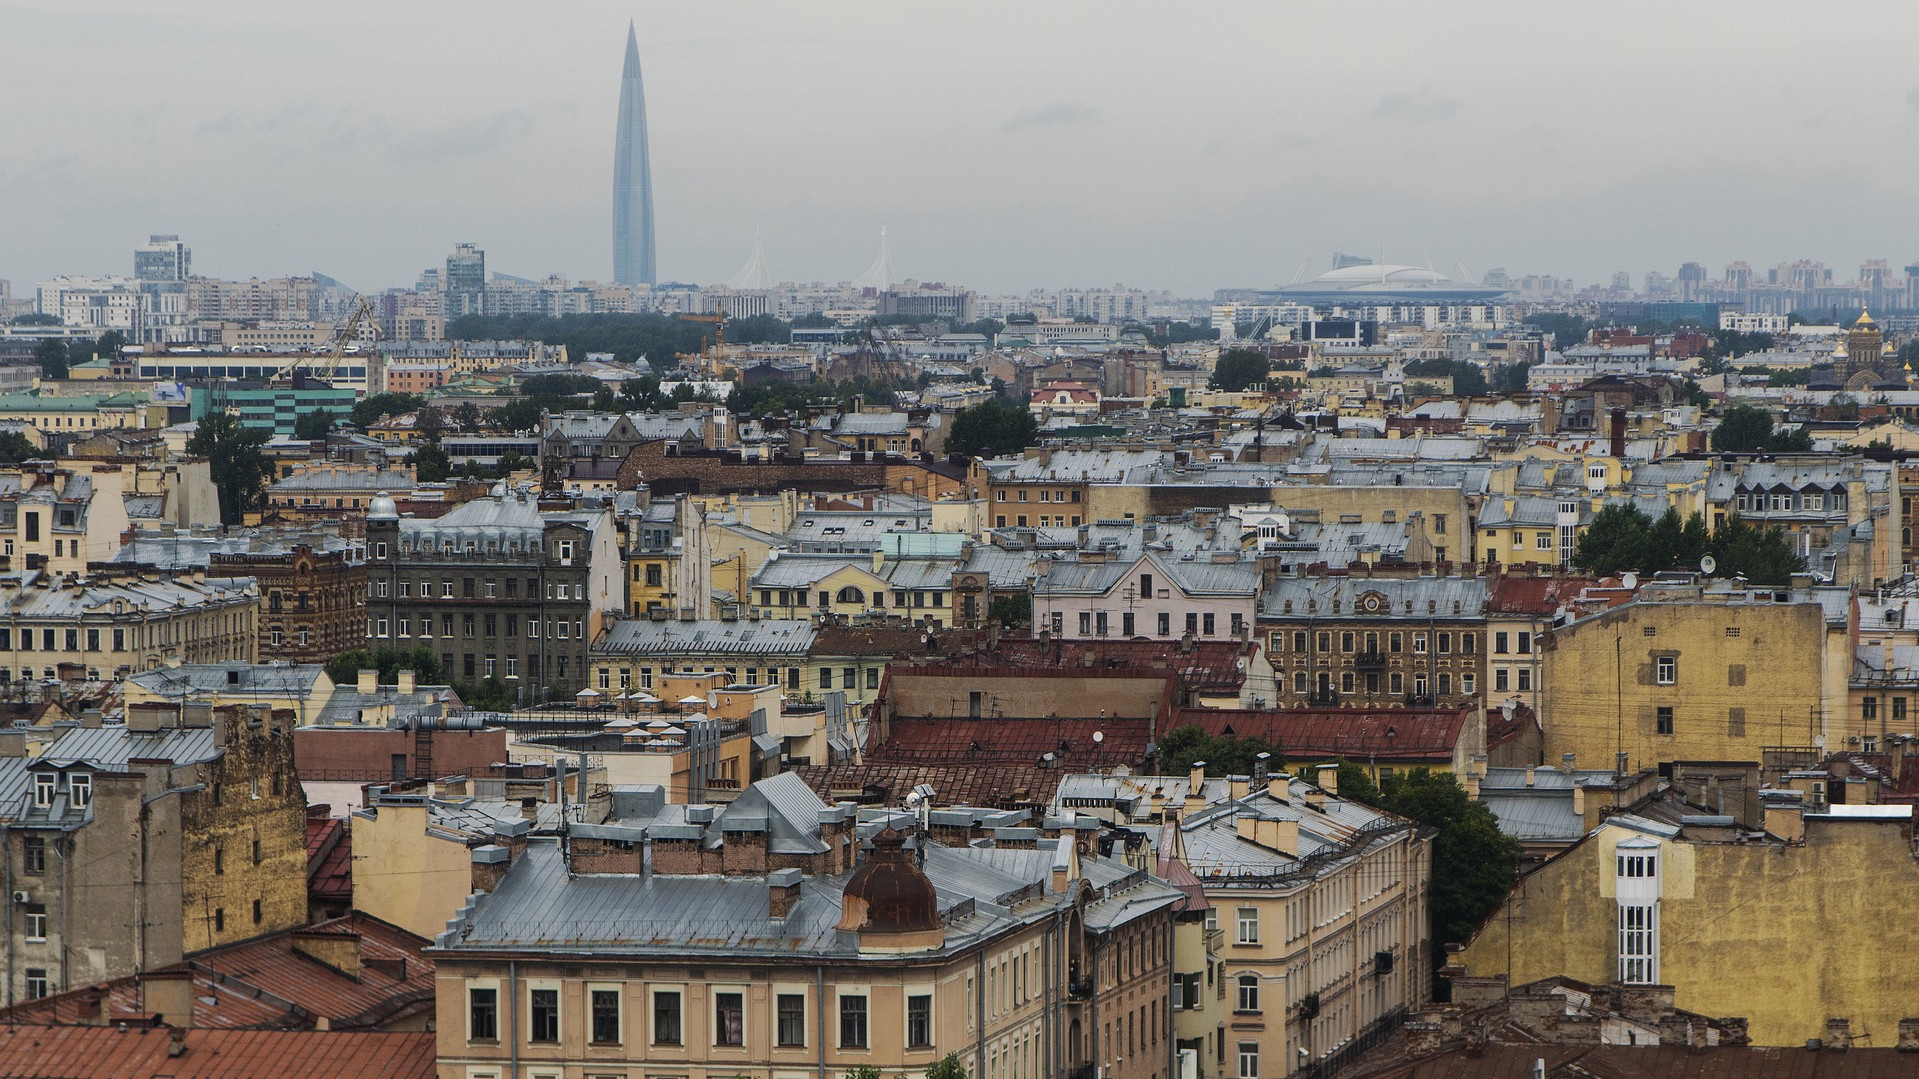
632 179
465 281
162 258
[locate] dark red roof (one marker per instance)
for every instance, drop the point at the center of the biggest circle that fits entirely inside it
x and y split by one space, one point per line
998 786
1390 734
58 1052
1499 1061
329 859
1202 665
1522 594
251 985
1017 741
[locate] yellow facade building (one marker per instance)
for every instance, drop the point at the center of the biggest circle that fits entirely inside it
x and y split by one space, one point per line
1786 928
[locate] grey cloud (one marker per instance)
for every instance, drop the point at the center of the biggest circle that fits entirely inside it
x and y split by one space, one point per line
462 138
1419 106
1058 114
1912 97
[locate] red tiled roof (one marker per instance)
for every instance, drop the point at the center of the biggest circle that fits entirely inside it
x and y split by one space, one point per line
68 1052
269 984
1391 734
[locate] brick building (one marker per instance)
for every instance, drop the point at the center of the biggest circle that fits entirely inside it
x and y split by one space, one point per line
311 602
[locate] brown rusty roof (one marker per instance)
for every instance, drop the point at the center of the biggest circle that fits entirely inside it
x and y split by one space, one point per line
74 1052
1656 1062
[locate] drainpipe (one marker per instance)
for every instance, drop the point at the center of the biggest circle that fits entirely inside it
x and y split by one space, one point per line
513 1015
6 868
979 1019
819 977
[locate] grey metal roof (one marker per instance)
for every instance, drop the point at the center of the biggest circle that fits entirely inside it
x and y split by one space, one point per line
708 637
801 570
1406 597
30 601
191 680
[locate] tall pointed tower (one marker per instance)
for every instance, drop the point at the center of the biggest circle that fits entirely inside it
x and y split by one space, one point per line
632 179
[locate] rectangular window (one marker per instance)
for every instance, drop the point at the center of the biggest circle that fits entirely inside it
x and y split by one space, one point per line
33 855
1667 670
792 1021
36 916
729 1019
80 790
919 1021
1501 680
483 1015
1662 721
1419 644
1525 679
1499 643
666 1018
37 984
605 1016
44 786
1525 643
1248 1060
1638 945
545 1012
1206 621
852 1022
1248 925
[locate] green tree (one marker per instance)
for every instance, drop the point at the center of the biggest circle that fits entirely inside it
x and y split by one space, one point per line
510 462
1474 863
758 330
110 344
431 463
344 669
521 415
1615 541
992 429
1760 555
313 426
51 355
1468 379
467 417
863 1071
947 1067
35 318
1743 429
1356 785
236 461
1011 611
489 694
1239 369
1566 330
561 385
429 423
604 400
14 448
375 407
1225 755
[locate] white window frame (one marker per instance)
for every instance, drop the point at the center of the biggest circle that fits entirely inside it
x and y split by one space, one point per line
1246 925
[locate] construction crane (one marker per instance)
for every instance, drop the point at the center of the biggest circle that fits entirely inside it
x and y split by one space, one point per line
324 369
718 319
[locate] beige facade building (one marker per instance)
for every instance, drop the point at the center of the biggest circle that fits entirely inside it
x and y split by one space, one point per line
782 936
108 625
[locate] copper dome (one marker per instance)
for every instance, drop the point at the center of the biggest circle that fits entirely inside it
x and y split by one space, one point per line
889 894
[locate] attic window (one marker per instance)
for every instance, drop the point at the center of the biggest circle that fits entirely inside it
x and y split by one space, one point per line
44 784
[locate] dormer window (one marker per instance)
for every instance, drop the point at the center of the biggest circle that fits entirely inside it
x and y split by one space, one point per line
44 784
80 790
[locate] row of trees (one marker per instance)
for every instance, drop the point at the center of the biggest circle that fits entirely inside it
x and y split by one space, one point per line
1622 538
1749 429
57 356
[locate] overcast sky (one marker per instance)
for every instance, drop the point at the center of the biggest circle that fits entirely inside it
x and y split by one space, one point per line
1005 145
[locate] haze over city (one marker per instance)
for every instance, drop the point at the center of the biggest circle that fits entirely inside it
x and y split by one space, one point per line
1007 146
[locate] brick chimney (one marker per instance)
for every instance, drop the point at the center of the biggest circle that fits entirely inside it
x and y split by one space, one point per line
782 892
369 682
1838 1035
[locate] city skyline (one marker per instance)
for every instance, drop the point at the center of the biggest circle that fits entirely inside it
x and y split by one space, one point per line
989 169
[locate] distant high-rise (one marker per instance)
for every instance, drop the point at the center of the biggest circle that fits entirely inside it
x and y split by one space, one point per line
632 179
162 258
465 281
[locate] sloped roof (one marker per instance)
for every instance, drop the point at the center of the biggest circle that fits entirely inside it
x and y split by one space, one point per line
42 1052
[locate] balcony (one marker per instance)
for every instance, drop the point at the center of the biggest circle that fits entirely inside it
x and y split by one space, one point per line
1079 989
1323 698
1370 661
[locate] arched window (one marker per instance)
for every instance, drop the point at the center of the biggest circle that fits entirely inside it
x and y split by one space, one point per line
1248 993
849 594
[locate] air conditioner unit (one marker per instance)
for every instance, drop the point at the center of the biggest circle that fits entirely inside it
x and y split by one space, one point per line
21 897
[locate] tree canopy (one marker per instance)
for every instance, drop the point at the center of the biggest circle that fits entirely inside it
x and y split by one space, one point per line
1225 755
236 461
312 426
1621 538
345 668
992 429
1468 379
1749 429
375 407
51 355
1239 369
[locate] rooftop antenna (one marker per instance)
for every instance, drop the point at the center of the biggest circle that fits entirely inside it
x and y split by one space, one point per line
880 274
753 274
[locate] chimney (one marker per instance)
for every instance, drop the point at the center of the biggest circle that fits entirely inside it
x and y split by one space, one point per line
1909 1035
1239 786
782 892
1618 441
13 742
1529 775
530 809
169 995
1472 785
1316 799
1579 799
369 682
1329 779
341 951
176 1042
1838 1035
1784 817
407 681
1279 787
1195 780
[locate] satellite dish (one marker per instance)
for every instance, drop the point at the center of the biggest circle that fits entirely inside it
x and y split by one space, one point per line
1099 736
1708 564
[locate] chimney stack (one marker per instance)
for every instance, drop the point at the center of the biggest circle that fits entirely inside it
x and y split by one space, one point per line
1196 779
407 683
1329 779
369 682
782 892
1838 1035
